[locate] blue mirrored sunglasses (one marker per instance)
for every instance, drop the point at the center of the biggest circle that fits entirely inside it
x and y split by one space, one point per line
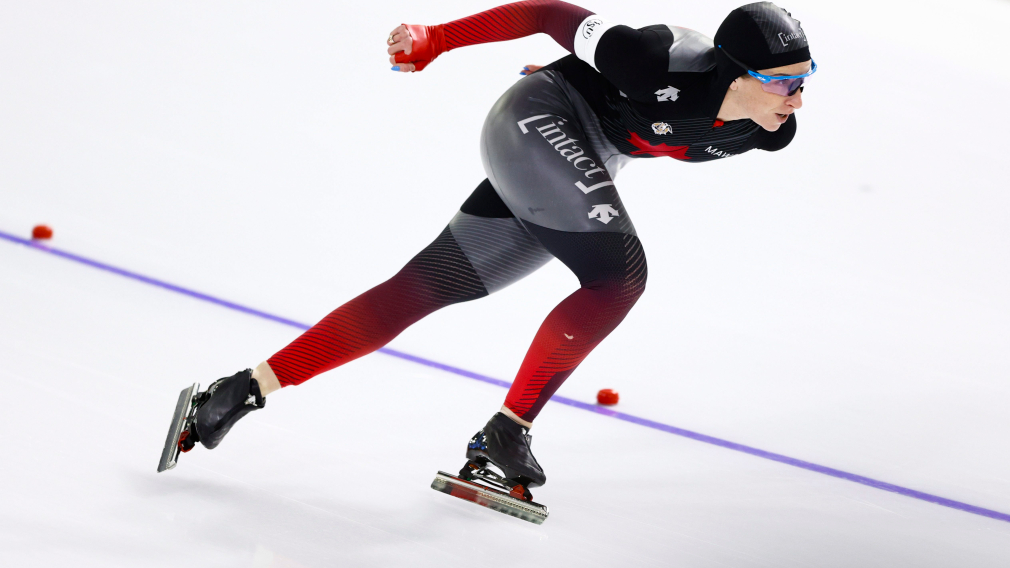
783 85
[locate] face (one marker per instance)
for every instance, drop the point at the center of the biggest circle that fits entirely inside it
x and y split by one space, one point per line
769 110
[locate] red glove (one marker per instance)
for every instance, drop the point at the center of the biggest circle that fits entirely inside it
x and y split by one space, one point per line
427 43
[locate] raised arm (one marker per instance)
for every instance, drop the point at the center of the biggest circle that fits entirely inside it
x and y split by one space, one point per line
411 48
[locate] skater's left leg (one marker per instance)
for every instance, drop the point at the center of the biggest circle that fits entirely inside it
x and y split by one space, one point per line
549 159
612 270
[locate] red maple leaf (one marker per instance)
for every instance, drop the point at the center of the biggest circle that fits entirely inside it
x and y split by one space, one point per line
659 150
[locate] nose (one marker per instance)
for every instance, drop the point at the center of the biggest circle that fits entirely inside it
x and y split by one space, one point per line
795 100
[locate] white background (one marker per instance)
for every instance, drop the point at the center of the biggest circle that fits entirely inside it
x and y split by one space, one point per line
843 301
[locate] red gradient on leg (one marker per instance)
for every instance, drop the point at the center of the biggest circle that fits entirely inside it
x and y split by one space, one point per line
571 331
356 328
437 277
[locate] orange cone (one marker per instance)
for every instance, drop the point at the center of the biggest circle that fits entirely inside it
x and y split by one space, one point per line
607 397
42 232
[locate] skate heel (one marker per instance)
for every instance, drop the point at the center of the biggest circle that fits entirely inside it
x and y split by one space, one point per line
187 441
516 487
520 491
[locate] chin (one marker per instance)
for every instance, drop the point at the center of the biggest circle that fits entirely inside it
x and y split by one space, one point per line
771 125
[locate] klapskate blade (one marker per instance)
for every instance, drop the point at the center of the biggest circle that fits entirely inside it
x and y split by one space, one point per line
170 453
490 498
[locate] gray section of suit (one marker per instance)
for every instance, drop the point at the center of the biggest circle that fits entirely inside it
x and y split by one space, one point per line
690 51
546 156
501 251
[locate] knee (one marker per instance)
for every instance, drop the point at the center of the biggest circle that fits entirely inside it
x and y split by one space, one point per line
636 274
611 265
625 283
635 282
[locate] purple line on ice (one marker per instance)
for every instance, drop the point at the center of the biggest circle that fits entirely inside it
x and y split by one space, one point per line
556 398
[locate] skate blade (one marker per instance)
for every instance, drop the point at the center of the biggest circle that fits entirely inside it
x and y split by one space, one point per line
488 497
170 453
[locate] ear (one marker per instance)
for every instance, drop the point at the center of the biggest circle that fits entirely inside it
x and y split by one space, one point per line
735 85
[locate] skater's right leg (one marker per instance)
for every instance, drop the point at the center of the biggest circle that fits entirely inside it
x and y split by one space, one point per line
265 377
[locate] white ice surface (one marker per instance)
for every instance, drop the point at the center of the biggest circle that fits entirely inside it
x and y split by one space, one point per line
843 301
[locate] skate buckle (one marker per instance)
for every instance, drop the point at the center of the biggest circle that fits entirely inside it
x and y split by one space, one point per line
519 492
183 446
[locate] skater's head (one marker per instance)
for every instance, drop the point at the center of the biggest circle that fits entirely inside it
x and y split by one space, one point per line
764 51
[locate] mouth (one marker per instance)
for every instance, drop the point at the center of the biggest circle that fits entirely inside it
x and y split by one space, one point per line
782 118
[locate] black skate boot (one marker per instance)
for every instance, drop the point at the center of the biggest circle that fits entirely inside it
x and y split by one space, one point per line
206 417
505 445
222 404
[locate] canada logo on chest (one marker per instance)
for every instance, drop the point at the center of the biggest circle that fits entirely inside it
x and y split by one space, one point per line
644 147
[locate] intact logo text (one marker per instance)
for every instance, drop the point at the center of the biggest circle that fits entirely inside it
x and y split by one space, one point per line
564 145
786 38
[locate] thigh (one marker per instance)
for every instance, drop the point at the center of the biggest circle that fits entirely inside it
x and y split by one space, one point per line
497 245
540 160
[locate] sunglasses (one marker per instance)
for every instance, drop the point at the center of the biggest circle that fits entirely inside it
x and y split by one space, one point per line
784 85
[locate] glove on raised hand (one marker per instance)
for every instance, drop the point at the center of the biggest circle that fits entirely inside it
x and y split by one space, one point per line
427 43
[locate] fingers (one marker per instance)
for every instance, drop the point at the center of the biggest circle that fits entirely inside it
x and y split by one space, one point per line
530 69
403 45
401 57
396 34
402 62
399 40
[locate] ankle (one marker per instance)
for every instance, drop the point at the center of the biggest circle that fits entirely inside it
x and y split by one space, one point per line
515 418
266 378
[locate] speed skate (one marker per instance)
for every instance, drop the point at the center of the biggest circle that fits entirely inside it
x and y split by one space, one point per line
479 484
206 417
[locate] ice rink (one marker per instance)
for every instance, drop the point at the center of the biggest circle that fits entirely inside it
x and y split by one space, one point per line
843 303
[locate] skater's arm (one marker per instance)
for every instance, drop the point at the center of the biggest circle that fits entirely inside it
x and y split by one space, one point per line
632 60
557 19
411 48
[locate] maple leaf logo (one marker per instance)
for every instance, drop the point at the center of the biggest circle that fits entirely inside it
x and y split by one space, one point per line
658 150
